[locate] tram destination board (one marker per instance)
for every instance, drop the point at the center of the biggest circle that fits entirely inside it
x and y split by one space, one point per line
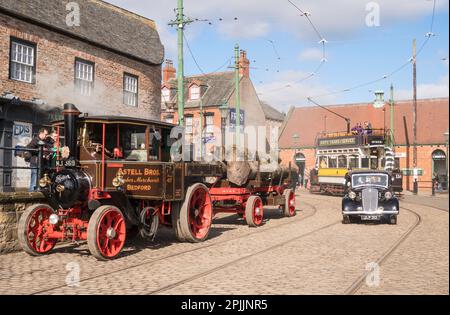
336 142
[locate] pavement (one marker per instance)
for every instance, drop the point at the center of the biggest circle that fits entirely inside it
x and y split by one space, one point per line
311 253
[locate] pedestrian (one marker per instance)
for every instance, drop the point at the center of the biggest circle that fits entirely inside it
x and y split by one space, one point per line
300 180
50 147
32 156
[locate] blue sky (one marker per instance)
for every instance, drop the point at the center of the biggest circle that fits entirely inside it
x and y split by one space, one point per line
355 52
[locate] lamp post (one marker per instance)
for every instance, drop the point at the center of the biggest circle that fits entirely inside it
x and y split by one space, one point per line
224 110
295 140
446 159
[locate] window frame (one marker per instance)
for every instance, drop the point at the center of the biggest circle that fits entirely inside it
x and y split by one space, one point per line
210 116
91 63
126 74
191 118
20 41
163 99
199 92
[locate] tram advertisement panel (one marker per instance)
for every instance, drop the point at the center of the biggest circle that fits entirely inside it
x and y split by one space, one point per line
141 180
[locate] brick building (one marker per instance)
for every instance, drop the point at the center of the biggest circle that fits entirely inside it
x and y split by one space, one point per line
102 58
207 93
298 135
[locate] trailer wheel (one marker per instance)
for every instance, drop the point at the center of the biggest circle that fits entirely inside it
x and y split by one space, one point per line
106 233
254 211
32 229
176 207
289 203
196 214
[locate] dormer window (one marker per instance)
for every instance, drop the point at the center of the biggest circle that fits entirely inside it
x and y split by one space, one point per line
194 92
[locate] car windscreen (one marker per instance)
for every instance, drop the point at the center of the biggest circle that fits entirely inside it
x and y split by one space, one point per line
359 180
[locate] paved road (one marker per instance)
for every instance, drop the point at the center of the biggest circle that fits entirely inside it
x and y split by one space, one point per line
311 253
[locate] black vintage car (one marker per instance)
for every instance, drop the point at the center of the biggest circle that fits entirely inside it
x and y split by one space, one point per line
369 196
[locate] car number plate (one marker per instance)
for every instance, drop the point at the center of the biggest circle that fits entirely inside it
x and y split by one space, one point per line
370 217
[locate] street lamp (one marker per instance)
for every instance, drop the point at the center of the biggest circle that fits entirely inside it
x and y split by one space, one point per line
446 158
224 110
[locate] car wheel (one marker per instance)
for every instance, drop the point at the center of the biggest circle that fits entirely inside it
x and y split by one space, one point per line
346 219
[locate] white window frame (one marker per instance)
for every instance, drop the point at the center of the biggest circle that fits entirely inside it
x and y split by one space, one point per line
130 90
84 77
194 92
209 124
165 95
189 122
22 61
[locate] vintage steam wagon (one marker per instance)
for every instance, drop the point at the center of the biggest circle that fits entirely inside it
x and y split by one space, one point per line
115 175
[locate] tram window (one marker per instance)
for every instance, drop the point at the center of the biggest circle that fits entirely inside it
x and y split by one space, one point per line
353 162
342 161
365 163
374 163
332 162
323 162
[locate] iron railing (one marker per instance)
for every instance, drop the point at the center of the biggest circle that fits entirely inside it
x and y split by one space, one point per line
39 167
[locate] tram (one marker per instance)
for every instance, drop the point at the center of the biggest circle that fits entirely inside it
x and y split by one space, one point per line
338 153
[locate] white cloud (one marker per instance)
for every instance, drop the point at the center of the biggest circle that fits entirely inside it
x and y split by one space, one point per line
257 18
313 54
288 90
427 90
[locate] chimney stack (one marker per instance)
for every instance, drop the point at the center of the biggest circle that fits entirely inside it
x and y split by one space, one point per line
244 64
169 71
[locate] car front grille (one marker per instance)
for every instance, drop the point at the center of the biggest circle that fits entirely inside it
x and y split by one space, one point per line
370 199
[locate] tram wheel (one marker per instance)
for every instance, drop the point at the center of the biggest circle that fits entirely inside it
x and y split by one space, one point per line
106 233
196 214
254 211
289 203
31 230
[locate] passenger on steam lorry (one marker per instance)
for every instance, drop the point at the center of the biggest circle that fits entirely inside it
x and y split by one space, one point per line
32 156
114 175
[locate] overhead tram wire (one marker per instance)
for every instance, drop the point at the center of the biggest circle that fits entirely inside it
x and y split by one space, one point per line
322 41
384 77
207 75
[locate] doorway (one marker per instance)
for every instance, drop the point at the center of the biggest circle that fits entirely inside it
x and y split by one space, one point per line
300 161
440 169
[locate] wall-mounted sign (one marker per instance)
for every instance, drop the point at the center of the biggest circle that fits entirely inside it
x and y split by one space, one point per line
412 172
233 119
332 142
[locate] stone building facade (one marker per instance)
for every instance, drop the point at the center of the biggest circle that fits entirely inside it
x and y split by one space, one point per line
102 58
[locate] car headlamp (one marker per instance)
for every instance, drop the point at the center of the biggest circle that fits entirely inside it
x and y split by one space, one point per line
352 195
388 195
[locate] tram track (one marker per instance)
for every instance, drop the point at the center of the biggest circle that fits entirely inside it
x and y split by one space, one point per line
240 259
352 289
153 261
357 284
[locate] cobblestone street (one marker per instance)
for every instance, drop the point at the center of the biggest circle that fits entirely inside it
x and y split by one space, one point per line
311 253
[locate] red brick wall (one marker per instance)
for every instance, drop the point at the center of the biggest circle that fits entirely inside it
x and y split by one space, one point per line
55 73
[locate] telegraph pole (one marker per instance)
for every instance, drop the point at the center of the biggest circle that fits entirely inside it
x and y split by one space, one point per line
392 115
238 96
415 117
180 23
